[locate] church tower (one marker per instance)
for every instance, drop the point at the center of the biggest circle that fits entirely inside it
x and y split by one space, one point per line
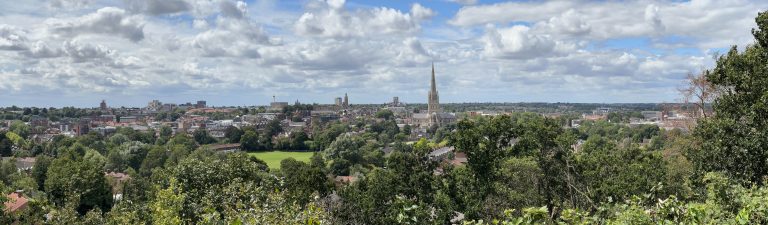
346 101
434 100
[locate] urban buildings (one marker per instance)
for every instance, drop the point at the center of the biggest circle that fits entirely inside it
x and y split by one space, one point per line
276 106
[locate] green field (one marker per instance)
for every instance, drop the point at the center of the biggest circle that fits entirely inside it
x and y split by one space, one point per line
273 158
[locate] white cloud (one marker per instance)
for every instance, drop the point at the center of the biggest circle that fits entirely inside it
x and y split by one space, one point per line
12 38
332 20
714 23
236 10
529 50
509 12
69 3
420 12
41 50
465 2
85 52
105 21
517 42
231 38
200 24
157 7
570 22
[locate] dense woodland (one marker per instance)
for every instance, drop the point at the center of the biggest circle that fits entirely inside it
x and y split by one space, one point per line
522 169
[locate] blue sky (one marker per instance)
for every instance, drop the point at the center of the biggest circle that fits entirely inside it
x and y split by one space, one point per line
128 52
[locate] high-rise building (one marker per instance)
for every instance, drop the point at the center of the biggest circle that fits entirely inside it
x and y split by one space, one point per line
103 105
200 104
338 101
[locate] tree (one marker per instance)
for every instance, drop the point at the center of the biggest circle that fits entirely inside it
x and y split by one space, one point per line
40 169
614 173
6 145
699 91
348 148
485 144
203 176
19 128
302 180
385 114
78 181
298 139
273 128
202 137
166 132
166 208
155 159
233 134
250 141
733 139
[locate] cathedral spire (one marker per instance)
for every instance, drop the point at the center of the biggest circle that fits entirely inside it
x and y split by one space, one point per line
433 105
434 87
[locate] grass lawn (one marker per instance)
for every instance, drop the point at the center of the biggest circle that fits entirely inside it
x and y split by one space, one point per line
273 158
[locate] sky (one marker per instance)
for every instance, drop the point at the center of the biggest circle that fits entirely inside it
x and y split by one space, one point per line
56 53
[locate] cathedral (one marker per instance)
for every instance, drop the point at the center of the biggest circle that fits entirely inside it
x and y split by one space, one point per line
434 116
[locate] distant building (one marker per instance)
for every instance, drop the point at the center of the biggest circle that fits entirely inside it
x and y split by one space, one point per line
344 180
22 164
602 111
107 130
83 126
594 117
338 101
434 115
441 153
651 115
128 119
224 148
103 105
277 106
38 121
154 105
107 118
200 104
16 202
575 123
324 115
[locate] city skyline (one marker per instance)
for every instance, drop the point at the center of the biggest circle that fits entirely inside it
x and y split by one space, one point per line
236 53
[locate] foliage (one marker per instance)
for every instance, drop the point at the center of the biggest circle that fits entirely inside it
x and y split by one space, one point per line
78 182
733 140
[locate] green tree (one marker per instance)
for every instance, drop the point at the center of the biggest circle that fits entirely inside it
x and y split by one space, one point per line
303 181
233 134
155 159
6 145
78 181
273 128
19 128
167 205
40 169
298 139
385 114
250 141
733 139
202 137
